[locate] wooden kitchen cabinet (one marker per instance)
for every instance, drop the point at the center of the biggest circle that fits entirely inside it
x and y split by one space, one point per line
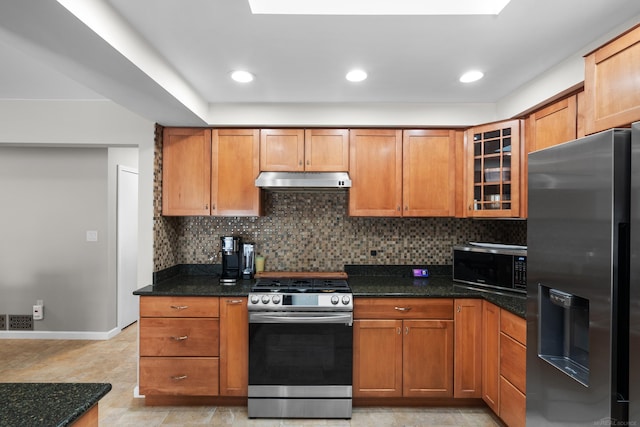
468 348
235 166
186 171
402 173
210 172
504 364
611 84
549 126
375 167
234 346
491 356
493 170
393 337
298 150
428 172
179 346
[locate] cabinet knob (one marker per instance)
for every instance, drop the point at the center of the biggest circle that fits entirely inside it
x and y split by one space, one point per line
179 377
459 309
398 208
180 338
234 301
308 162
406 208
179 307
399 331
206 207
402 308
300 162
406 330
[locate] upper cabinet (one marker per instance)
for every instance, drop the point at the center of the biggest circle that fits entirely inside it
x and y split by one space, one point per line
297 150
186 171
611 84
493 170
235 166
402 173
428 172
210 172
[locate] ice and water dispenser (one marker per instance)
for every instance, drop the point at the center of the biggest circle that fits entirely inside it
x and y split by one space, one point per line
563 332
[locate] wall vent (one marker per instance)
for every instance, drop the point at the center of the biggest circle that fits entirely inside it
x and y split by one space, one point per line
20 322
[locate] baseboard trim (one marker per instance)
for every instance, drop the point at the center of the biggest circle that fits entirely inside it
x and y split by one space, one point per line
59 335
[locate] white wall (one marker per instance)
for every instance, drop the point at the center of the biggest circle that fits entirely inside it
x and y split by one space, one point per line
122 137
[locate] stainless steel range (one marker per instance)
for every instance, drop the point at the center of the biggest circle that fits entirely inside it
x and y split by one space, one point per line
300 348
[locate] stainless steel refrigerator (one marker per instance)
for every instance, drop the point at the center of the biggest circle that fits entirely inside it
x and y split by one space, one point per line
583 238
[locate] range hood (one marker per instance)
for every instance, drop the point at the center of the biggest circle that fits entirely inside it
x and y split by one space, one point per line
319 181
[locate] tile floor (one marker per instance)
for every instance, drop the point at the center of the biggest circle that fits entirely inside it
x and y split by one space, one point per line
114 361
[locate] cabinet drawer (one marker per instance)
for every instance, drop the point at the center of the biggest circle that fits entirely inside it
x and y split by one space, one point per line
513 405
179 337
187 376
403 308
513 362
514 326
168 306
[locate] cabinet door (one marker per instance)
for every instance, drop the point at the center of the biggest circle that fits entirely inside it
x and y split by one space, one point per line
428 358
282 150
186 171
552 125
611 84
326 150
468 348
234 347
491 356
428 184
377 358
375 166
235 166
493 168
513 405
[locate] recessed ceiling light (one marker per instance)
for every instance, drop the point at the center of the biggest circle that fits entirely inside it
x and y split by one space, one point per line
356 75
242 76
395 7
471 76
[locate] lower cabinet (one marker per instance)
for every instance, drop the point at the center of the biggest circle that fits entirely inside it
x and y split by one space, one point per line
504 364
403 347
234 346
179 346
467 376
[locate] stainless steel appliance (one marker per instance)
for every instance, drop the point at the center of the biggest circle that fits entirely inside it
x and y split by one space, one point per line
300 348
230 246
581 194
248 260
491 265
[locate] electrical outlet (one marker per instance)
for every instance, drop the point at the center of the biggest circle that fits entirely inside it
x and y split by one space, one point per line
3 322
20 322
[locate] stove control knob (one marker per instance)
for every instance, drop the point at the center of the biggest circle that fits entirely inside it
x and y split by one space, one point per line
255 299
265 299
335 300
276 299
346 299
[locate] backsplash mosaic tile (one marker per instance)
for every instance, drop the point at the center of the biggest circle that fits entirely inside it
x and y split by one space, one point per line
312 232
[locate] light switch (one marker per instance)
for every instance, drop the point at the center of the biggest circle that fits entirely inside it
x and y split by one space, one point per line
92 235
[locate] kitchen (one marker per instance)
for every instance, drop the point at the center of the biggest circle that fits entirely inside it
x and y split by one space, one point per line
197 237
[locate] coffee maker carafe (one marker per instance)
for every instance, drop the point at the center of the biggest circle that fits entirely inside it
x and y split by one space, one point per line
231 259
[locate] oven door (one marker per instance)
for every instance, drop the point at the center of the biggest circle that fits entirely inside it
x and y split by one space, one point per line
299 352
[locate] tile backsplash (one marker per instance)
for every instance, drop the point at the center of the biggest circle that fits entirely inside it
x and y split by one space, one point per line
312 232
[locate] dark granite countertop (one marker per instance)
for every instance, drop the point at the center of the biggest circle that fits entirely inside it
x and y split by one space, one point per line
390 282
47 404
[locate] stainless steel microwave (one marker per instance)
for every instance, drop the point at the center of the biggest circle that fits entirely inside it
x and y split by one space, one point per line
491 266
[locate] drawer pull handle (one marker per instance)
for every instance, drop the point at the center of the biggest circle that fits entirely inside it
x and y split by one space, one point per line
181 338
179 307
402 308
234 301
179 377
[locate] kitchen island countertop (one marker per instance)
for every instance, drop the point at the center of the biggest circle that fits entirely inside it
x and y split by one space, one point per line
361 286
47 404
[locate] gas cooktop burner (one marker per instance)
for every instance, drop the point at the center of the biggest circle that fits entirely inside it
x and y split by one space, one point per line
300 285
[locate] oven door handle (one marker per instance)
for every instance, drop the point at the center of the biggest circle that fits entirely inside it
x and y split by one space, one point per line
346 318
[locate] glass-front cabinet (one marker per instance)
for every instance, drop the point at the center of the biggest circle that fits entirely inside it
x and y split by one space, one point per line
493 170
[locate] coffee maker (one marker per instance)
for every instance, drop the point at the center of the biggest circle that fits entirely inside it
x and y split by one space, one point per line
231 259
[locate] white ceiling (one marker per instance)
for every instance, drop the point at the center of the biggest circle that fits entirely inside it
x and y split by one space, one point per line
169 60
